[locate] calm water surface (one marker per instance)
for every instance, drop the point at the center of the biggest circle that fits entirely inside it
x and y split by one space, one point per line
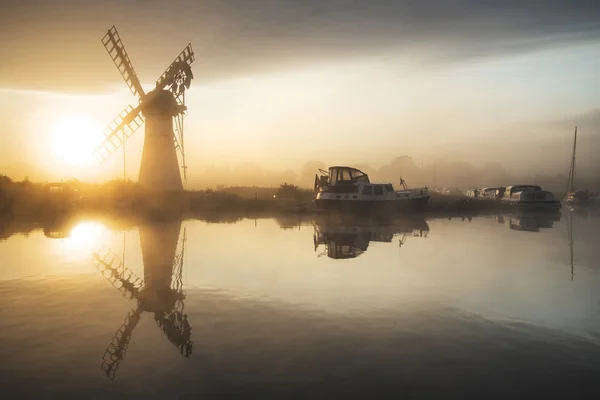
503 306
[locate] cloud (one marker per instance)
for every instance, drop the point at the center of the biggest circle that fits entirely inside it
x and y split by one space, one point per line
54 45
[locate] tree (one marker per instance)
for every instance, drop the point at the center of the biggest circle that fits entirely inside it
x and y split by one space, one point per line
288 191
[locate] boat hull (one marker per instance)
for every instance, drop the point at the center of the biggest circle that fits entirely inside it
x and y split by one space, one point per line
366 206
533 205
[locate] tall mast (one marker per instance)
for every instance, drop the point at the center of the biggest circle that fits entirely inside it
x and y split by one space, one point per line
572 169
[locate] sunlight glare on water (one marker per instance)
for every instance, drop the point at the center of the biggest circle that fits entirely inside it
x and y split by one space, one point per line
84 237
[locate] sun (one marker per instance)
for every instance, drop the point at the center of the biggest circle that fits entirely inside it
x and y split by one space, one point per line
73 139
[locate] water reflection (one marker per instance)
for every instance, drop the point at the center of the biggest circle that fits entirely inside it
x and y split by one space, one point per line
571 238
529 221
60 228
349 239
273 321
160 292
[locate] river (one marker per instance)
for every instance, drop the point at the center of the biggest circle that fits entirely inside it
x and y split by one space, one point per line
490 306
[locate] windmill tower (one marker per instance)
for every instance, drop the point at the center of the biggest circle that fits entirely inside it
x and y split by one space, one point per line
163 109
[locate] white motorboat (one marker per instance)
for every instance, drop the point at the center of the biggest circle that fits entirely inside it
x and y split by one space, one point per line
530 197
349 189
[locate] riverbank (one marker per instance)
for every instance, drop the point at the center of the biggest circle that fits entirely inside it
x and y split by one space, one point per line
39 201
29 203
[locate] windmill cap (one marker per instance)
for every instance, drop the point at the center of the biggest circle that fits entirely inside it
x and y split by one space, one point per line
160 102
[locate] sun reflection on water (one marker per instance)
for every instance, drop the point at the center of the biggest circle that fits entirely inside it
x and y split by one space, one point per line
83 238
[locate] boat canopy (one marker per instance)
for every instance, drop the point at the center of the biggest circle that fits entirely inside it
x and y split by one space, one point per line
344 175
519 188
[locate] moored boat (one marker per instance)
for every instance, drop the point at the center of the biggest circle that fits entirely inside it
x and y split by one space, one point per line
575 197
490 193
578 197
345 188
529 197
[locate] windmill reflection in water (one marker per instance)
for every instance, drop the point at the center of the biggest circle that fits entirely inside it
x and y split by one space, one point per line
160 292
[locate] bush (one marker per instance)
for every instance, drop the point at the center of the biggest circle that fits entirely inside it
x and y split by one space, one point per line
288 191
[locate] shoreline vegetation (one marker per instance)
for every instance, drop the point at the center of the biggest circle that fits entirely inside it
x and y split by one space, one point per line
45 205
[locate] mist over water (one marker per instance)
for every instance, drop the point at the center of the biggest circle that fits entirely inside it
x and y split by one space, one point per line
490 305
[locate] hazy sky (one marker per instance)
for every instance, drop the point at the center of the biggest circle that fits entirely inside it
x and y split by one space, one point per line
282 82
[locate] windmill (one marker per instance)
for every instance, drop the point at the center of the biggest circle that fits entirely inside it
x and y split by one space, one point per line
162 109
160 292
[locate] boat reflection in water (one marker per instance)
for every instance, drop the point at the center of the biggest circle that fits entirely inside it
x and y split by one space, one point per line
349 239
529 221
160 292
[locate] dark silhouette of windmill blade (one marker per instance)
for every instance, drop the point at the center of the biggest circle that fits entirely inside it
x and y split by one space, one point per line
120 277
186 57
178 130
121 128
116 350
113 44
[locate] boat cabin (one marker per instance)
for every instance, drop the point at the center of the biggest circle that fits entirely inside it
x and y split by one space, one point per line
341 179
511 191
489 192
473 193
533 196
346 175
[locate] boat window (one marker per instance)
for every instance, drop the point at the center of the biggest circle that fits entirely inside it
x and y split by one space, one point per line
356 173
333 178
378 190
540 196
359 176
367 190
344 175
389 187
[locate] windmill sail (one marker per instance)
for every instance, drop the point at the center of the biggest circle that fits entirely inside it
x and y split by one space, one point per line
113 44
186 57
116 350
119 130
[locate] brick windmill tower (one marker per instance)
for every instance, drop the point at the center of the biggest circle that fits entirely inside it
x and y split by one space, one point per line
162 108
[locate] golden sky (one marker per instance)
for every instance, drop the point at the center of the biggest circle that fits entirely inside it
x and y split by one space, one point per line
280 83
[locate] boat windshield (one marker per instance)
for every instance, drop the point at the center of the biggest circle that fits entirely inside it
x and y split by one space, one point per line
342 175
520 188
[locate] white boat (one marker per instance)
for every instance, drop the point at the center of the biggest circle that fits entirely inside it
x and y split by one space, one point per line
349 189
490 193
529 197
473 193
